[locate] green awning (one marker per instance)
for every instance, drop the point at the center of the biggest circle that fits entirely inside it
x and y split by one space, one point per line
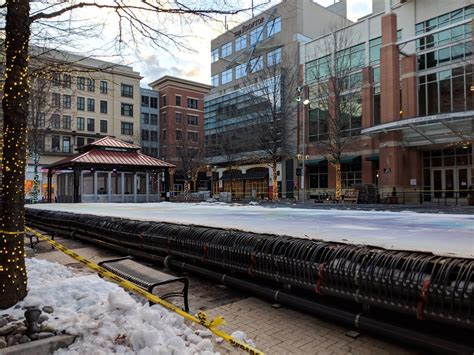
314 162
349 159
372 157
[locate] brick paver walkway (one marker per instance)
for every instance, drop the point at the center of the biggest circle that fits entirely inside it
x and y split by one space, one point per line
274 330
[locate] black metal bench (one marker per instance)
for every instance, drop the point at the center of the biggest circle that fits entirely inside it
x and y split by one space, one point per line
146 277
33 243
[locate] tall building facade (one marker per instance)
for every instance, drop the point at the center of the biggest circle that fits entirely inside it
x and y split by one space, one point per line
76 101
251 125
149 124
411 79
181 137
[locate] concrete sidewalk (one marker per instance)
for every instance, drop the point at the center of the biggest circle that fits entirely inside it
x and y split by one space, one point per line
274 330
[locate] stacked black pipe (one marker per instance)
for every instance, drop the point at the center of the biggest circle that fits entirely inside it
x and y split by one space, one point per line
420 284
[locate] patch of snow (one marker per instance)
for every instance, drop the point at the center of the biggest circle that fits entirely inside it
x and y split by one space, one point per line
105 317
440 234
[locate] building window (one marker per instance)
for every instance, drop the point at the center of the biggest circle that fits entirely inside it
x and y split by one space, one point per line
226 49
56 100
192 120
256 64
126 110
127 128
214 55
91 125
318 176
153 119
145 118
165 101
90 140
445 91
127 90
241 42
145 135
41 119
192 103
81 83
103 87
178 100
55 121
55 144
377 106
318 125
215 80
163 135
226 76
90 85
351 173
154 136
91 105
103 106
193 136
256 35
374 50
145 101
80 123
163 118
66 144
67 122
274 57
274 27
318 69
153 102
177 117
178 134
80 141
240 71
66 81
81 103
56 79
350 58
67 101
103 126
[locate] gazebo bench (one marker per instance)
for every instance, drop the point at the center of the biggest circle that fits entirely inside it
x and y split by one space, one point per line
146 277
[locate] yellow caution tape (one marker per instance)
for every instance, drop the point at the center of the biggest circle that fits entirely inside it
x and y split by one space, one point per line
201 317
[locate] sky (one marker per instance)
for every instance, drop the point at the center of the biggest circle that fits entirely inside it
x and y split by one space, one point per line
192 62
197 65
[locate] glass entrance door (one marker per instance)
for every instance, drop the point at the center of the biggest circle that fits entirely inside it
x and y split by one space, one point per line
450 182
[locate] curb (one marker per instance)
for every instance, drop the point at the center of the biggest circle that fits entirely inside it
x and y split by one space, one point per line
40 347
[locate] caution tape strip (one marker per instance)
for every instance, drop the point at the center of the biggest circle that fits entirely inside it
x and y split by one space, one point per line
201 317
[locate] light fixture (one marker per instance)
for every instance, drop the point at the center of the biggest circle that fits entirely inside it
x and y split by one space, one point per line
306 102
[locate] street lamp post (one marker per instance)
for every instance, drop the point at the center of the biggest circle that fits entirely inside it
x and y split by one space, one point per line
306 102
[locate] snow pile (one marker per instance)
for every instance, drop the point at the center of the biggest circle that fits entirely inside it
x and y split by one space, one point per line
105 317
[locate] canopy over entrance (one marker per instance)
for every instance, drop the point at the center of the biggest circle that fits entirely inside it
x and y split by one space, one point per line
430 130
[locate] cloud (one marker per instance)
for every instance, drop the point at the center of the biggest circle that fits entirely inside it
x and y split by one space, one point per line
151 67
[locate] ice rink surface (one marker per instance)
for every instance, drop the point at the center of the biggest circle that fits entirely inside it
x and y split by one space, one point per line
440 234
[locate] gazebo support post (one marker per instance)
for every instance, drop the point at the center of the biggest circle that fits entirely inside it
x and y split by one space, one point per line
167 184
76 186
50 178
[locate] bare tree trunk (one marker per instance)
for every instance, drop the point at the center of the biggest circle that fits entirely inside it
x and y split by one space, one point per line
15 110
337 166
275 181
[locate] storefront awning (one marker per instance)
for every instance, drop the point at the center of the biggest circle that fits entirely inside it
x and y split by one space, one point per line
350 159
372 157
315 162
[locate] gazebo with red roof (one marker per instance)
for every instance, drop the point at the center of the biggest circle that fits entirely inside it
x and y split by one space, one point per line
109 170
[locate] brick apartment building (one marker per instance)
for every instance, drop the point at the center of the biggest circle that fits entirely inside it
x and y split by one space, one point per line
79 101
181 137
414 130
